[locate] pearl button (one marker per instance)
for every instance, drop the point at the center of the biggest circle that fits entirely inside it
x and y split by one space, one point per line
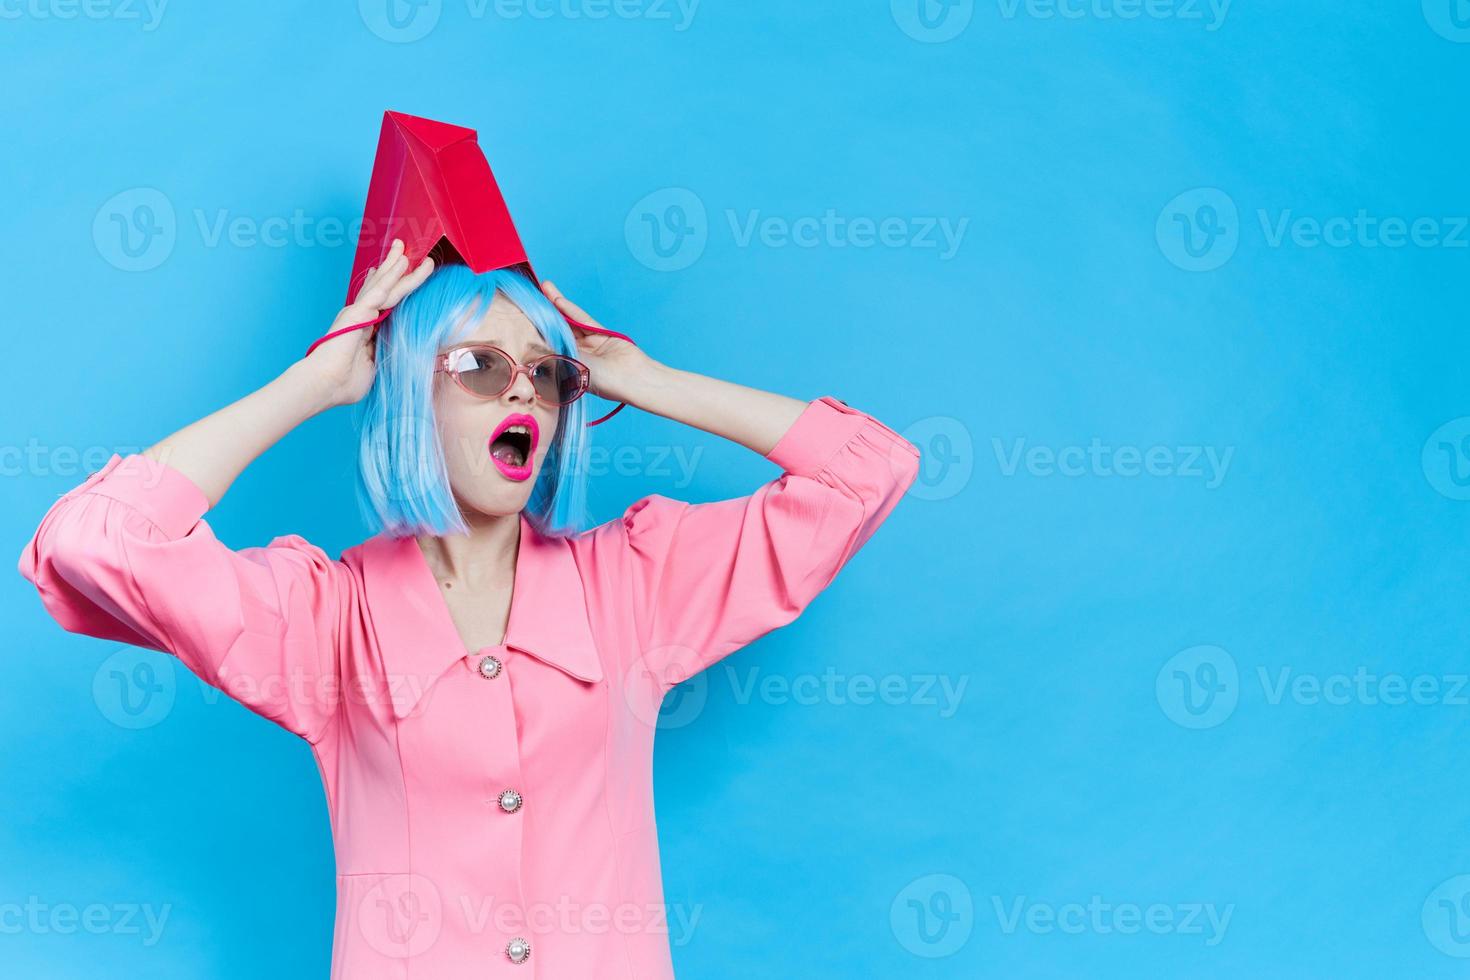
490 668
510 801
518 950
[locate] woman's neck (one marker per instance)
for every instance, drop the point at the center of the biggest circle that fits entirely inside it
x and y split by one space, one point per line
484 557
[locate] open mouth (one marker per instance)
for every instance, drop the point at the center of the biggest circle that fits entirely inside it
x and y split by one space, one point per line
512 445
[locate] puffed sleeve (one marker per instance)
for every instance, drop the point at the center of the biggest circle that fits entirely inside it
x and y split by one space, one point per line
709 578
126 556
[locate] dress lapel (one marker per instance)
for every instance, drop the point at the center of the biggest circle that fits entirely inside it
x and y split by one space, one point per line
417 637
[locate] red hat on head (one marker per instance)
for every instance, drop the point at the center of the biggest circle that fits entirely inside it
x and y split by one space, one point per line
432 188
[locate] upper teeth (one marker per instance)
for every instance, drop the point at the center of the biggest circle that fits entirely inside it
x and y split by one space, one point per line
524 430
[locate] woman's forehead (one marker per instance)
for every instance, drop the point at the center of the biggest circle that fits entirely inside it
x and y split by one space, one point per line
504 325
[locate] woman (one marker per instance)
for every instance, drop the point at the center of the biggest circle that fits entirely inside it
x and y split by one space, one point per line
480 680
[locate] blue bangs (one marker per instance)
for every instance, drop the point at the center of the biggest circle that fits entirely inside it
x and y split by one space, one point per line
404 485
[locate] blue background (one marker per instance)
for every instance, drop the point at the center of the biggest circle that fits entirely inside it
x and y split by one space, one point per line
1119 281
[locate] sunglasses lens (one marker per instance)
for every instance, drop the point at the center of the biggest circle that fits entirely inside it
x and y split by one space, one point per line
481 371
558 379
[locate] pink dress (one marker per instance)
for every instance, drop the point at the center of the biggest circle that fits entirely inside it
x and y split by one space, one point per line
492 810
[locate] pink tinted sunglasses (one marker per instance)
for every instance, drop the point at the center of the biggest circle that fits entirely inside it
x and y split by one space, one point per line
576 323
486 371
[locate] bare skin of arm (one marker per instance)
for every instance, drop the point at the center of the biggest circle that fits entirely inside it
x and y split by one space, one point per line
215 450
754 418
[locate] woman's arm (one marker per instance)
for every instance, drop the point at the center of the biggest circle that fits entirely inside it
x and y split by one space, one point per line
128 556
705 579
213 451
622 373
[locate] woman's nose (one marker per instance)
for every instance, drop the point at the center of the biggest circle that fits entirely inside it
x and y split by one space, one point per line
521 389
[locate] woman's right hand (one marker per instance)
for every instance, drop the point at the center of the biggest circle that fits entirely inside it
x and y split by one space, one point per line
345 365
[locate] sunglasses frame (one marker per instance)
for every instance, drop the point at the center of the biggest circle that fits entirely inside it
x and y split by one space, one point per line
584 374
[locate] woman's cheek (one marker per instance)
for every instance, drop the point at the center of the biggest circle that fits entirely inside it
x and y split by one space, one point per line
548 424
463 446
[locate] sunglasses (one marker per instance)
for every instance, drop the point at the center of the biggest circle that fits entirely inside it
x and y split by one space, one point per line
488 372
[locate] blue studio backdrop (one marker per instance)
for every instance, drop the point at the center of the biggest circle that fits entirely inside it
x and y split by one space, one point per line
1158 670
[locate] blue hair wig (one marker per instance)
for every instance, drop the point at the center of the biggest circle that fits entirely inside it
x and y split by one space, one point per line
404 485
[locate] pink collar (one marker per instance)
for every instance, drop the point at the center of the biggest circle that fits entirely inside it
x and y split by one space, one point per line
407 612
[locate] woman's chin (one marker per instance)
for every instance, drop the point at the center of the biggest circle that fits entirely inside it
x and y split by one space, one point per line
495 496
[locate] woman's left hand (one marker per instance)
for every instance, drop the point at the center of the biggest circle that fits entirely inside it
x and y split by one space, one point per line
615 364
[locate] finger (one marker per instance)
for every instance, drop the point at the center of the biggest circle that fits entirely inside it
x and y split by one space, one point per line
362 283
394 251
565 305
381 286
392 283
372 279
419 275
393 286
410 282
370 294
574 311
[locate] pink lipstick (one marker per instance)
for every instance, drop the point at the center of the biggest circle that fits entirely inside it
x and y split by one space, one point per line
513 444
